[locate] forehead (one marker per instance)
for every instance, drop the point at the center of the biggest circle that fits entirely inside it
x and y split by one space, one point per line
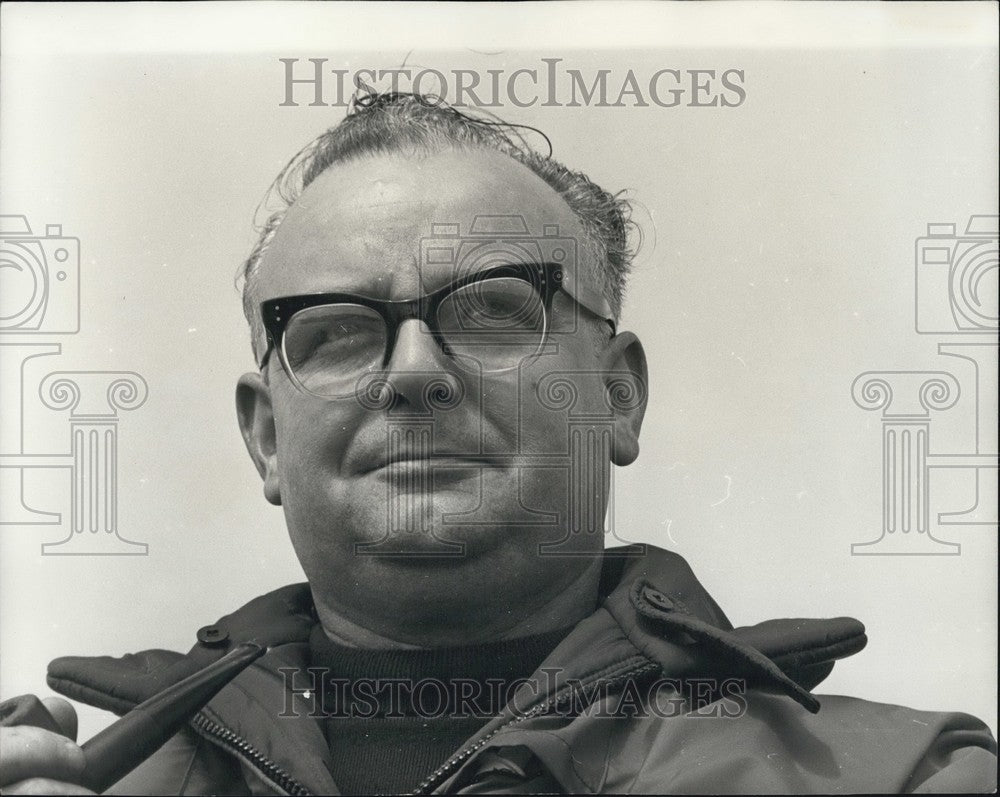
368 225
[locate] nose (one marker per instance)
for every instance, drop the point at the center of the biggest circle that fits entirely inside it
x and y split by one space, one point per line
419 376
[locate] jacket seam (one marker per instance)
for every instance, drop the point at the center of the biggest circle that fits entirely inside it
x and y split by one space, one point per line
510 725
190 768
621 668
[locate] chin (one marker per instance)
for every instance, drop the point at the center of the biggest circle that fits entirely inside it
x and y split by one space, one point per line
450 546
460 512
423 548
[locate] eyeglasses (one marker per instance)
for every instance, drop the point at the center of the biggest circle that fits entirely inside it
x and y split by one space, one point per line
489 321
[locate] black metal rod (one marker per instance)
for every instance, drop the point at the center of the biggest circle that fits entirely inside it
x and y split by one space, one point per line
122 746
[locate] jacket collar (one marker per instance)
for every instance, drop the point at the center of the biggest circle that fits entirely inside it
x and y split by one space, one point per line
654 615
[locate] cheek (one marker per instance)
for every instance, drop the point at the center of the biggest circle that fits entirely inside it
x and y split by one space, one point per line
312 435
513 418
535 411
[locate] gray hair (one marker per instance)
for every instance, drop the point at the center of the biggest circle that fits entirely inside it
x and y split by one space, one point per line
397 122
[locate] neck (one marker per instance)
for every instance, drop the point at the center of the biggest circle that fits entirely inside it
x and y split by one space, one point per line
462 625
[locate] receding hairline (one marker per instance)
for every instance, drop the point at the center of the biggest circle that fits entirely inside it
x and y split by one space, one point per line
532 179
426 151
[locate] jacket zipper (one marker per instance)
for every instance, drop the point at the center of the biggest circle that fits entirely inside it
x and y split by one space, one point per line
241 748
434 779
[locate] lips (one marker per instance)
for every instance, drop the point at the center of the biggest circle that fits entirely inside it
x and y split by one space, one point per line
413 445
409 459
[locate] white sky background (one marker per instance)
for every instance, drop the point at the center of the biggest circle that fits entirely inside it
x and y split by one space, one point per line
779 265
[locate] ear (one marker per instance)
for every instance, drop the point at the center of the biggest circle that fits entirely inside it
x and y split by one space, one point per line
626 381
256 417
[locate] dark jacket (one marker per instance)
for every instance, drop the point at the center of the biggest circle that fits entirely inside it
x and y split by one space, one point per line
603 713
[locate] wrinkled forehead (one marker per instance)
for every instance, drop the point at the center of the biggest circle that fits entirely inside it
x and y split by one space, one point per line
393 227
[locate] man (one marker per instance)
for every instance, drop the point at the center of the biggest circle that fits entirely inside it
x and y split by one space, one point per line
442 388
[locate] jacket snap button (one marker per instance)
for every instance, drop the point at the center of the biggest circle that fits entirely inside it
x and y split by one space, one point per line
658 599
212 635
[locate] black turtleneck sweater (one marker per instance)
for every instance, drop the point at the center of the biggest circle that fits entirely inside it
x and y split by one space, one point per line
394 716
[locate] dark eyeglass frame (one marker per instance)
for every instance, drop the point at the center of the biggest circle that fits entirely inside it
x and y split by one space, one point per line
545 278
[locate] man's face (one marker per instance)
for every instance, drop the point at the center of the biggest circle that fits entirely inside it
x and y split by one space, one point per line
362 498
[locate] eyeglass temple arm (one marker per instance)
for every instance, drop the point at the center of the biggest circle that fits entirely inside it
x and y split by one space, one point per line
592 300
267 355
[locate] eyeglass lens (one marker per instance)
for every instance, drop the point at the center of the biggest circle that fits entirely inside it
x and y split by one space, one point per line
492 325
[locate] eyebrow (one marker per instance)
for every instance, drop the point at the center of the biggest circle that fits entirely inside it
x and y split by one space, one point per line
431 280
